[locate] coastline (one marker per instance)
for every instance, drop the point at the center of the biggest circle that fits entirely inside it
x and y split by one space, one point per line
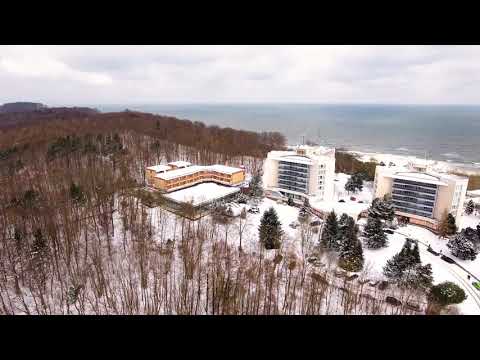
437 165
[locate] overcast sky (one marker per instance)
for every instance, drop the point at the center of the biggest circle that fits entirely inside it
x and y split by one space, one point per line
77 75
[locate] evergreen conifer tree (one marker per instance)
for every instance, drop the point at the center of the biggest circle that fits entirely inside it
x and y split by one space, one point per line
447 225
351 185
406 270
328 239
469 207
358 181
270 230
351 252
256 188
375 237
462 247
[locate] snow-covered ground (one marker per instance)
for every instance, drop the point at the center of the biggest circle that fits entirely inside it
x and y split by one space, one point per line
402 160
351 207
169 227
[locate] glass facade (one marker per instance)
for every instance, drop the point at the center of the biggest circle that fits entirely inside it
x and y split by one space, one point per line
414 197
293 176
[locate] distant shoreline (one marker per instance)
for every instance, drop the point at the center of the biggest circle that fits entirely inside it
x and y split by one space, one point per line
438 165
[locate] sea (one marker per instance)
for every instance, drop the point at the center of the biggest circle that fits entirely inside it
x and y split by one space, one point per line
442 132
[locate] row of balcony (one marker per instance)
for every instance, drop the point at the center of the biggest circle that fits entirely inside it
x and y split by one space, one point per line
414 188
412 200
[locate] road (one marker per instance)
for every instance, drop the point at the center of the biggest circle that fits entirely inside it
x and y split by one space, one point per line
456 270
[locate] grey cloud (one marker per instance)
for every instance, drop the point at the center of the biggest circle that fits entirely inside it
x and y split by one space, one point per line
139 74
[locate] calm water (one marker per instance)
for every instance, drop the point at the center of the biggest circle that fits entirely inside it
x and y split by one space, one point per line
449 133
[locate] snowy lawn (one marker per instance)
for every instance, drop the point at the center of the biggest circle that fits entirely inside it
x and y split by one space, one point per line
169 227
350 207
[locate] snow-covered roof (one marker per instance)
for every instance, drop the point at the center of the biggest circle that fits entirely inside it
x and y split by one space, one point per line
159 168
196 168
180 163
201 193
297 159
224 169
419 177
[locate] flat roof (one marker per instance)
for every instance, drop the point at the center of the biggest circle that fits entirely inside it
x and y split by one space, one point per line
419 177
196 168
201 193
158 168
294 158
180 163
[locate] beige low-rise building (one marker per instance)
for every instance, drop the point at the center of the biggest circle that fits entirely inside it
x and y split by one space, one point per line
420 195
181 174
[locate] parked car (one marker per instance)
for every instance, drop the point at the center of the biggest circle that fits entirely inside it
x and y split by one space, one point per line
393 301
447 259
254 210
341 200
316 223
360 201
476 285
353 198
388 231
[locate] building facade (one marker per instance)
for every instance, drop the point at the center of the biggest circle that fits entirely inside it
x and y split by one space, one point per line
419 195
180 174
300 172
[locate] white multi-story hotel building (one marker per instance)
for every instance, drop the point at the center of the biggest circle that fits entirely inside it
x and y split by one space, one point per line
420 195
301 172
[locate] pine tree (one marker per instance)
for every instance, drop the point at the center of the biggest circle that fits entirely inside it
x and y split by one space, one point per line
343 225
351 185
382 209
351 253
394 268
447 225
424 277
469 208
256 188
375 237
358 180
462 247
388 210
328 239
270 230
406 270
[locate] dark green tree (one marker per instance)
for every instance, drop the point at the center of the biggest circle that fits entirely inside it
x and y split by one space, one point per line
270 230
351 252
469 207
444 294
329 237
375 237
462 247
256 189
447 225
